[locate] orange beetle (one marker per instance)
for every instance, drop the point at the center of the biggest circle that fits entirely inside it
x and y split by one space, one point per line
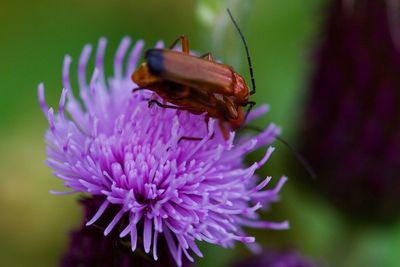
197 84
201 85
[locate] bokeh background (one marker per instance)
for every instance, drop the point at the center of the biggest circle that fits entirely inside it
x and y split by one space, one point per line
282 35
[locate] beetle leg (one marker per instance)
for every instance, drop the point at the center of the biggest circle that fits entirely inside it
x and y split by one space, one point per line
231 110
134 90
189 138
207 56
148 86
212 100
153 101
206 120
184 94
251 105
224 131
184 41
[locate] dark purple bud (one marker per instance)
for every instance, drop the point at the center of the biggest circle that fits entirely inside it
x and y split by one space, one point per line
89 247
278 259
352 120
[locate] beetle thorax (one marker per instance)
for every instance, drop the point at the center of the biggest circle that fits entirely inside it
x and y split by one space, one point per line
240 89
142 77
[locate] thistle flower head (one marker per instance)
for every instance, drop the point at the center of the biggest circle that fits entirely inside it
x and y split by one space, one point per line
111 145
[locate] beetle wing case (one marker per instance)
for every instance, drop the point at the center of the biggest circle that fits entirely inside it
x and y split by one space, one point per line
190 70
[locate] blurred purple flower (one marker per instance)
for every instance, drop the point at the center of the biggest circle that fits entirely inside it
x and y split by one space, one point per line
278 259
115 147
352 134
90 248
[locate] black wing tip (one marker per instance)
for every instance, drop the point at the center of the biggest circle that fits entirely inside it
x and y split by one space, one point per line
155 61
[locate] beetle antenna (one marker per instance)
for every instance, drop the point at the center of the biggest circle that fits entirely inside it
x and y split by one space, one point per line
299 157
253 82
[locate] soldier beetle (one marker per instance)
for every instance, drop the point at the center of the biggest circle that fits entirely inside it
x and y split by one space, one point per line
201 85
197 84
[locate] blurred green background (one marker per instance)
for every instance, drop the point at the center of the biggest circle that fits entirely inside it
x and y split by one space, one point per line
35 36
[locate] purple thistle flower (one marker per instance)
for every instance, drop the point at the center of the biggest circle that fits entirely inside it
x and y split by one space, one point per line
351 132
115 147
290 258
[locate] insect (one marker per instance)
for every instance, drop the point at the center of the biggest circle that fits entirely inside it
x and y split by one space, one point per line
201 85
197 84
